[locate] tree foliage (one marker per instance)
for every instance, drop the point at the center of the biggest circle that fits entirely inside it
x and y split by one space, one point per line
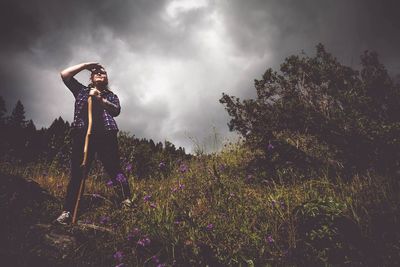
22 142
353 113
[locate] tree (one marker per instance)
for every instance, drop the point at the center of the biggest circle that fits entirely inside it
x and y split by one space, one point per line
15 132
17 118
349 113
3 131
3 111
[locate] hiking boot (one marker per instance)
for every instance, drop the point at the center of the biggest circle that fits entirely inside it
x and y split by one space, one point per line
64 218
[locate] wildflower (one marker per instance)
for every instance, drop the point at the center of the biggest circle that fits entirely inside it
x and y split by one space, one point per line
121 178
147 198
273 202
104 219
181 186
135 232
155 259
221 167
210 227
130 236
144 242
270 146
153 205
118 255
174 189
282 203
269 239
128 167
110 183
183 168
161 165
87 221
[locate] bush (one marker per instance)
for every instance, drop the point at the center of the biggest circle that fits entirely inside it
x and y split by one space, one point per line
325 234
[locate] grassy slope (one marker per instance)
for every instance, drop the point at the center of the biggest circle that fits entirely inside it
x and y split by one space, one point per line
213 213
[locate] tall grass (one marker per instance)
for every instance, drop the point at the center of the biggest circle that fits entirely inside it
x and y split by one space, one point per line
209 211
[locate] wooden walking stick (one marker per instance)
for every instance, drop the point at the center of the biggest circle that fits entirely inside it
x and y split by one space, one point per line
84 165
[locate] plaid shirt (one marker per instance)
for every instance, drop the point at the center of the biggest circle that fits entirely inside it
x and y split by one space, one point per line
102 118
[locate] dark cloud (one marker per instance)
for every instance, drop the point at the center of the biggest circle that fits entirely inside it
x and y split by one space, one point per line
169 61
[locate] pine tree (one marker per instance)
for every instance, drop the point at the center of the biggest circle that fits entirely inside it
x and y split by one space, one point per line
2 111
17 118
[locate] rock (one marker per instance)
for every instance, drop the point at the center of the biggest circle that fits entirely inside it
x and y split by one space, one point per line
27 237
48 245
56 245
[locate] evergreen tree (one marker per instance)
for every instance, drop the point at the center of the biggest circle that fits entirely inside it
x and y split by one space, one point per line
17 118
3 111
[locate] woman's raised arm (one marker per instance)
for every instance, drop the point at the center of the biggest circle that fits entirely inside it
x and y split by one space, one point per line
73 70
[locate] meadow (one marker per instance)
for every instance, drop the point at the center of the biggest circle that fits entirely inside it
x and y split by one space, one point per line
210 211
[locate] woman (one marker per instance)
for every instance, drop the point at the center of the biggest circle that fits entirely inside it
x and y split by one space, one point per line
103 138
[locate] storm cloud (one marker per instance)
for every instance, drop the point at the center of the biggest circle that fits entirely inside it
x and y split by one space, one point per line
170 61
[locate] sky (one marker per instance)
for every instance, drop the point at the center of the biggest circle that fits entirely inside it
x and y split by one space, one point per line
169 61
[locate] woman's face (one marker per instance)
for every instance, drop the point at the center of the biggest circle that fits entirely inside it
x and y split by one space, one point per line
99 77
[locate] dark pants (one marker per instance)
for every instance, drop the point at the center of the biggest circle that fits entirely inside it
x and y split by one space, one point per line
106 146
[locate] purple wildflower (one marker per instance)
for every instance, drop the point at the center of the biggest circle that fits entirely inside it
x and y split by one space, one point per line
130 236
162 165
135 232
128 167
104 219
183 168
210 227
270 146
282 203
269 239
174 189
221 167
147 198
153 205
110 183
144 242
121 178
273 202
181 186
118 255
155 259
87 221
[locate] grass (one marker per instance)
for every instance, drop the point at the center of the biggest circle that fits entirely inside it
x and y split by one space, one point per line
213 214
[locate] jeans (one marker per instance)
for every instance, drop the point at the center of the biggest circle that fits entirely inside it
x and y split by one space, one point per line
105 144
